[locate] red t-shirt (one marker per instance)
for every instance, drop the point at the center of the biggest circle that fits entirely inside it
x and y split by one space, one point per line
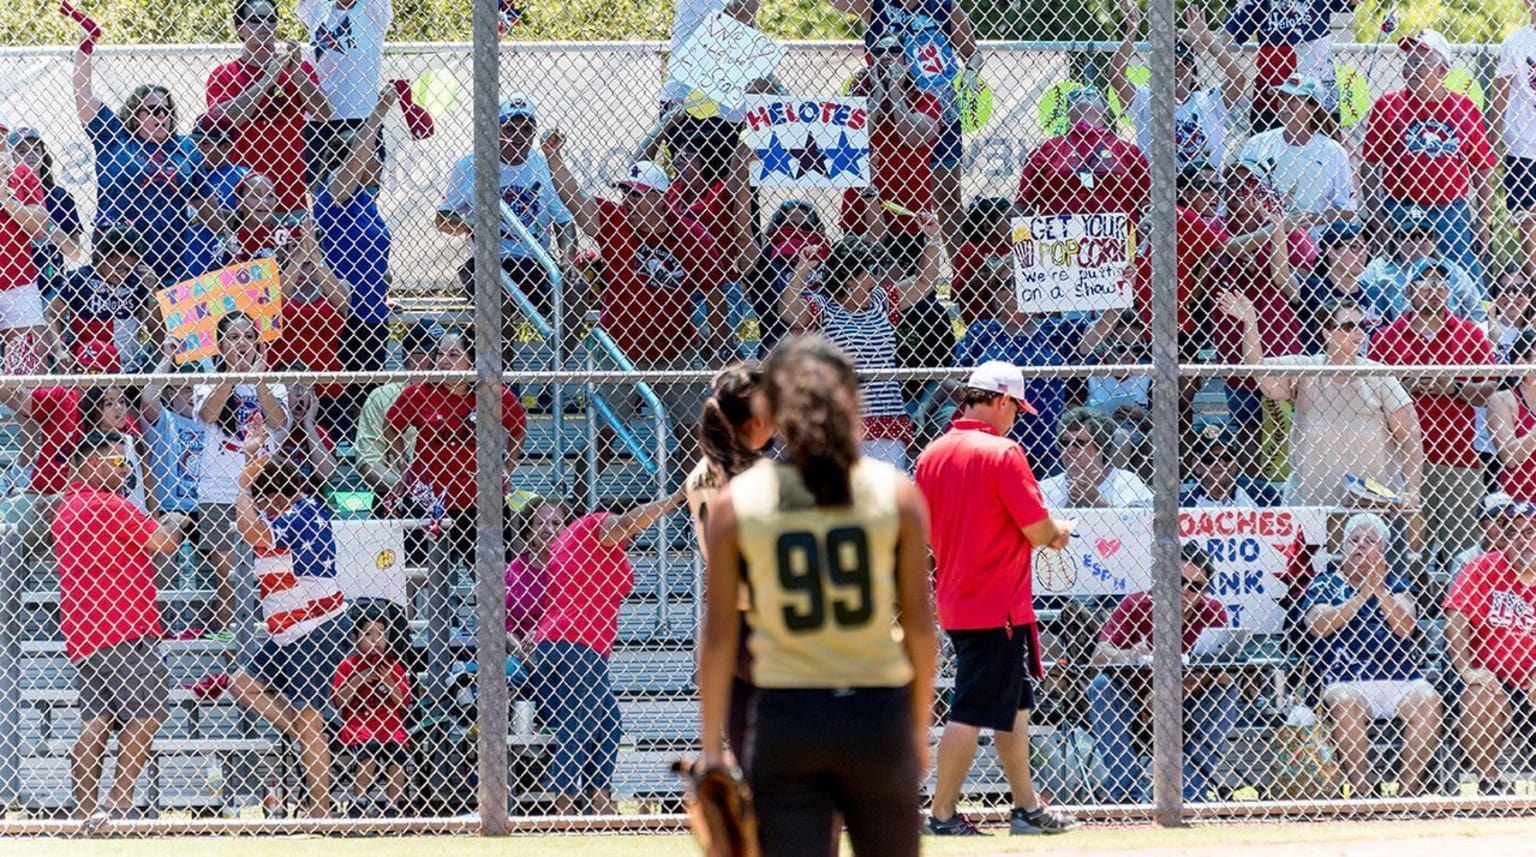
311 336
1130 623
900 168
370 716
981 495
647 290
587 582
1085 171
1448 424
106 579
1198 239
1280 326
445 437
272 142
972 303
17 268
1426 150
56 412
1502 613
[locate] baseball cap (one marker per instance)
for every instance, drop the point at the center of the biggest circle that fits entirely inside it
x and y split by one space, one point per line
98 358
1519 509
1430 266
211 126
1412 219
1337 233
22 134
646 175
1494 504
1427 38
887 44
1183 51
516 106
1086 95
421 336
1305 87
995 376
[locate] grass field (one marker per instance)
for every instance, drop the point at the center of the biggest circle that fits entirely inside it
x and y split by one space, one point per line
1505 838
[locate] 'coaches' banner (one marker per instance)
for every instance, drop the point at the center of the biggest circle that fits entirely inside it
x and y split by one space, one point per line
1072 262
808 142
1112 555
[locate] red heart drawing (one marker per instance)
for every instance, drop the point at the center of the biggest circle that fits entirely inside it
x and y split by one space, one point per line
1107 547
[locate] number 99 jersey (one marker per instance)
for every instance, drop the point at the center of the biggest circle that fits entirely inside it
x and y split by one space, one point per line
822 580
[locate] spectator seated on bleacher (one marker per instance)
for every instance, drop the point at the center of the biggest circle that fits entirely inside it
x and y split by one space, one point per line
372 693
1117 338
60 247
110 620
1490 637
1119 699
380 467
1087 169
108 303
1490 520
1413 241
1361 618
1511 418
1341 275
538 525
1088 441
1219 481
770 262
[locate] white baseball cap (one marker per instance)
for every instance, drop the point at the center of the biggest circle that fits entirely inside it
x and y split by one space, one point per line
995 376
646 175
1430 39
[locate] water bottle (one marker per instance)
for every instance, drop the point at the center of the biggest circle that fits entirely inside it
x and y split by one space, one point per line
272 802
213 779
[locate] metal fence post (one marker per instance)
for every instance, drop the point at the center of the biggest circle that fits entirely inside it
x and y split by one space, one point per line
1167 680
490 439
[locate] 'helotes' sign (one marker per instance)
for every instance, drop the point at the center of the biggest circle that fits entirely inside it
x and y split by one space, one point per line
1072 262
807 142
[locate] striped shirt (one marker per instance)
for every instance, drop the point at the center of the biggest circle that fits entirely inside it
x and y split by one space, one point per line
293 605
868 337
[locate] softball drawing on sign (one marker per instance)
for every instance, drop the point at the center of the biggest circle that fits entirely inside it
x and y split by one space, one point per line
1055 570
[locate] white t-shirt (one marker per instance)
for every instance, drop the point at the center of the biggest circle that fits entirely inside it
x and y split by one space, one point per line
1517 61
1119 489
1314 176
527 188
1199 126
223 459
349 52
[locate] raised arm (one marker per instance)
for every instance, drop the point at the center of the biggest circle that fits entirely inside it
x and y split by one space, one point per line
348 179
1236 305
618 529
914 289
582 206
253 528
1120 60
87 105
798 314
1234 77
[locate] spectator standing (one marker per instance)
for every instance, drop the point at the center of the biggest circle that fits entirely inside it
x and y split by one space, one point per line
1308 167
986 237
1088 479
1359 425
143 167
1294 38
1087 169
1362 622
372 694
1411 243
347 37
1512 127
109 305
287 680
229 412
1426 146
215 184
987 517
110 621
267 93
589 575
1341 276
793 226
1219 481
105 410
1509 314
1432 335
1201 116
23 220
1511 418
1490 637
54 253
376 462
1119 699
168 422
313 319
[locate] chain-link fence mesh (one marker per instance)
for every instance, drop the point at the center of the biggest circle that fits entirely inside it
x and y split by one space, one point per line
239 582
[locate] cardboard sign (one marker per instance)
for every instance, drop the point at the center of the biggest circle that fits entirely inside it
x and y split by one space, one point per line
1112 555
370 559
192 309
722 57
1072 262
808 142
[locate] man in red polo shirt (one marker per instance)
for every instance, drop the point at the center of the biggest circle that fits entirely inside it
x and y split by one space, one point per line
987 518
1429 335
109 619
266 94
1088 169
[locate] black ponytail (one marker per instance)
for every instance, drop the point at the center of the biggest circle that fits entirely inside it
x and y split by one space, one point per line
726 411
814 395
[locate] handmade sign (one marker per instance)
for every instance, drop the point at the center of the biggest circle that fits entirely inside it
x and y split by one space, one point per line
192 309
722 57
1111 554
808 142
1072 262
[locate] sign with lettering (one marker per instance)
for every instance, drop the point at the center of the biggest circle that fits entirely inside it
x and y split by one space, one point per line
1072 262
722 57
192 308
808 142
1111 554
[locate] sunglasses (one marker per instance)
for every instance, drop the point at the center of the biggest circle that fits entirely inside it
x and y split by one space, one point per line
259 20
633 192
1071 442
1346 326
161 110
1192 585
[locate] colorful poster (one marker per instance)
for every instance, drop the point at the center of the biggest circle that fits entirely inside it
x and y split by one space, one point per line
1112 555
1072 262
808 142
192 309
722 57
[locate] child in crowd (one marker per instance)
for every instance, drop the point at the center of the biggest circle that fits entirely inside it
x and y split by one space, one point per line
372 694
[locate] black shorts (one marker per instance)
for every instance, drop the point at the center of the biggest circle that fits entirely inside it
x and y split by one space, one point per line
383 753
1519 184
814 754
994 676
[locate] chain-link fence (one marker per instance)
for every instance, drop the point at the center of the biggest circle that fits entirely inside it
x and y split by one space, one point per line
331 507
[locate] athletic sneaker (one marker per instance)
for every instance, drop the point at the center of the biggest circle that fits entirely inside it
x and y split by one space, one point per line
1038 821
955 825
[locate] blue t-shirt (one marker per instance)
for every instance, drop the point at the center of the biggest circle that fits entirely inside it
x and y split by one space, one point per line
1365 649
175 454
305 532
356 243
925 39
527 188
51 264
205 248
145 185
1283 22
1050 343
